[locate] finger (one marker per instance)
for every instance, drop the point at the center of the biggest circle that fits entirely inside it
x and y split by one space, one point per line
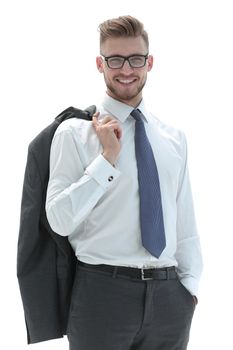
117 128
112 122
96 114
119 133
107 119
95 119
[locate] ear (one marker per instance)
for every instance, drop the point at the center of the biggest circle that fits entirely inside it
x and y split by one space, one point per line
99 64
150 62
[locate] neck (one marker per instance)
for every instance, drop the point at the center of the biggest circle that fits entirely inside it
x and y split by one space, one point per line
134 102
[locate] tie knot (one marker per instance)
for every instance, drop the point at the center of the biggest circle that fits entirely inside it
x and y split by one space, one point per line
136 114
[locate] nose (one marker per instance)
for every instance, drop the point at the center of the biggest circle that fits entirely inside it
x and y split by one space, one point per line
126 68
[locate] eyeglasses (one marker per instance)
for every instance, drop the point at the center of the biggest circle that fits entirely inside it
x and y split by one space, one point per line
117 62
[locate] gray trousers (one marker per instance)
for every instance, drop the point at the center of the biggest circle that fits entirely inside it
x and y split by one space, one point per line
120 313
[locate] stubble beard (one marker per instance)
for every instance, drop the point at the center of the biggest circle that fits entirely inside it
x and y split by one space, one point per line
124 96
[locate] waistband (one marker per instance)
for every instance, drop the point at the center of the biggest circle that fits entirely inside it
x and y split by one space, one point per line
165 273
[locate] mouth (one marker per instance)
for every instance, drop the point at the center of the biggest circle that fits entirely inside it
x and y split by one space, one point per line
126 82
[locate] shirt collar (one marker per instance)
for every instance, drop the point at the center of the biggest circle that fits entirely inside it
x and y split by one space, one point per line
121 110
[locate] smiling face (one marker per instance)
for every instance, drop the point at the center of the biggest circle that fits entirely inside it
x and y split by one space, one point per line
124 84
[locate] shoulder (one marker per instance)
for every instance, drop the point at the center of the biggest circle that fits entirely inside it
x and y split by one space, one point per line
172 137
75 128
167 131
73 125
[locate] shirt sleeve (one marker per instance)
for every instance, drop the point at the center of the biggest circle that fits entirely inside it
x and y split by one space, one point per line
188 255
73 188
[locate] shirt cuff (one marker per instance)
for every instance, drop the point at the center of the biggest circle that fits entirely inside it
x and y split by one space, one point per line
102 172
191 284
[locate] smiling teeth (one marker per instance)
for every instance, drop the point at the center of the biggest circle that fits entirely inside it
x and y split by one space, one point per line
126 81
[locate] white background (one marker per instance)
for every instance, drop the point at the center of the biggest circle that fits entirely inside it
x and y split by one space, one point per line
48 51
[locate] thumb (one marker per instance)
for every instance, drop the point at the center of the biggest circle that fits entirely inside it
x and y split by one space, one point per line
95 119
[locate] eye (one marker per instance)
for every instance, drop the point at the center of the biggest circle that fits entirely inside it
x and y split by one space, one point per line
137 60
115 61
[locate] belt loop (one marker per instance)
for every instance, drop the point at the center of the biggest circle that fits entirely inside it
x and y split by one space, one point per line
168 273
114 272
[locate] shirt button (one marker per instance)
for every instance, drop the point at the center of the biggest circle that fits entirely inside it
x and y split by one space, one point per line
110 178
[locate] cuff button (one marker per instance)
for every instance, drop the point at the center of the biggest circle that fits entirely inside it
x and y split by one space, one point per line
110 178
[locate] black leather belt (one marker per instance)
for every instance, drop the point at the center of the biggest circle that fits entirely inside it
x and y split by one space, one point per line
165 273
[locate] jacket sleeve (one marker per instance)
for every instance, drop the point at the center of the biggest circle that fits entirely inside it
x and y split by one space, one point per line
36 262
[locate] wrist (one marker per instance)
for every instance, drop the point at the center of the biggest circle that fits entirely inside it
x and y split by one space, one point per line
109 157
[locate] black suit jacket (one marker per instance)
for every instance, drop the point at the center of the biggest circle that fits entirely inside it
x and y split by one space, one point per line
45 261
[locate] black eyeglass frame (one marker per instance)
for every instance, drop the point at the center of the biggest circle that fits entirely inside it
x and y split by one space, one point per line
126 58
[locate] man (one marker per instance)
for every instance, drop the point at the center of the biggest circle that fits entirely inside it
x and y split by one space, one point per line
137 247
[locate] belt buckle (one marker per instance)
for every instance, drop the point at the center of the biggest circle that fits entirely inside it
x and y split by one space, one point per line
143 276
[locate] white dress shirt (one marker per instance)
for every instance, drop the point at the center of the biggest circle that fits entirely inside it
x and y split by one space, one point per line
97 205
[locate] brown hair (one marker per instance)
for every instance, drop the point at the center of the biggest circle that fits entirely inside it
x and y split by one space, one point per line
124 26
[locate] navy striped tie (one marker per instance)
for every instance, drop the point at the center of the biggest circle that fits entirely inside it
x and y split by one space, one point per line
151 213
